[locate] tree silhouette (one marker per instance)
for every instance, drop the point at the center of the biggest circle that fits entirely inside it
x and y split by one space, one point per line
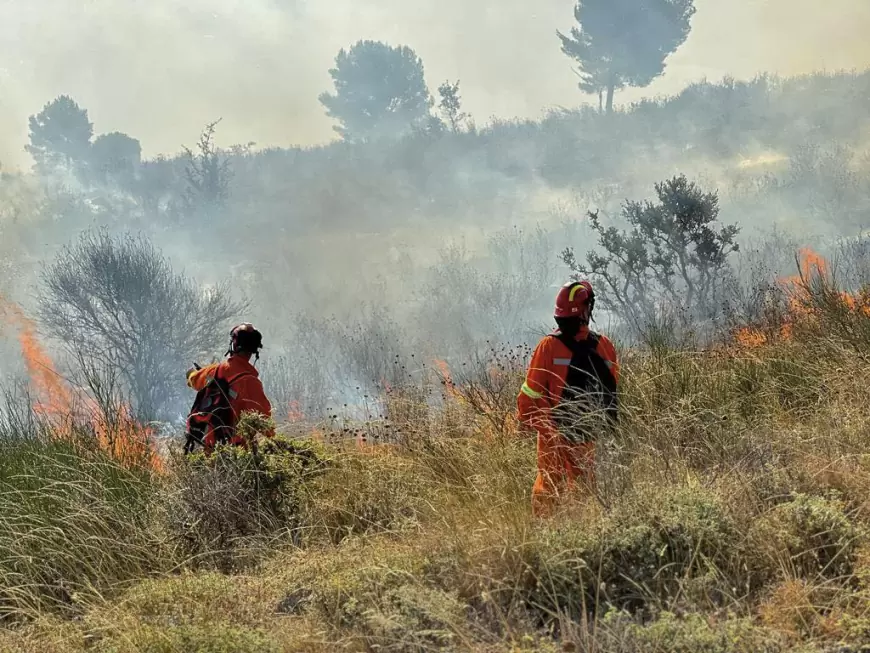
379 91
208 173
621 43
60 135
115 157
451 106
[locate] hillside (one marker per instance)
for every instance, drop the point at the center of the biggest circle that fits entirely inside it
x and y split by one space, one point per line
419 231
399 286
730 514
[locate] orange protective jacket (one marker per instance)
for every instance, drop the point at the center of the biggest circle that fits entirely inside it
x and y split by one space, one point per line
545 379
560 463
247 391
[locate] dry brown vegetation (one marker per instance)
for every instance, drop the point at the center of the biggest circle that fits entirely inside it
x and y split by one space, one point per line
731 514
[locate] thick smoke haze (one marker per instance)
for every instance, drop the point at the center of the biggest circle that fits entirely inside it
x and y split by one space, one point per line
159 69
360 260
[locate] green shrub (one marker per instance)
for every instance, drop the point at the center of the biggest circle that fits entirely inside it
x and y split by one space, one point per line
227 504
376 595
202 598
810 536
363 493
212 638
656 549
73 523
619 632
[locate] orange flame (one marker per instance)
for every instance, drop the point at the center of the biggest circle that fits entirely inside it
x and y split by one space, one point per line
294 412
750 338
812 267
119 435
446 376
53 398
444 369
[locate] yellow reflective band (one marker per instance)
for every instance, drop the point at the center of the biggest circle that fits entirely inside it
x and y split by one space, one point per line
574 291
526 390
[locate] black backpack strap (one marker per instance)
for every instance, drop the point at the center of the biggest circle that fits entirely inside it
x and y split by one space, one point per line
578 346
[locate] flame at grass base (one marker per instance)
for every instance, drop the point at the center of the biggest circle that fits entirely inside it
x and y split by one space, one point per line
808 295
71 413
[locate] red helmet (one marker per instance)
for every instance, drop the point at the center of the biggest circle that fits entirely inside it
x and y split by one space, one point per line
574 298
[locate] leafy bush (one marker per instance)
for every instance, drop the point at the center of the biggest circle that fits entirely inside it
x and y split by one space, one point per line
811 535
73 522
675 255
660 549
693 633
382 601
363 493
213 638
233 499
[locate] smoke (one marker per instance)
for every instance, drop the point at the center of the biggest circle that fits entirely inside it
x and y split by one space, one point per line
159 69
357 259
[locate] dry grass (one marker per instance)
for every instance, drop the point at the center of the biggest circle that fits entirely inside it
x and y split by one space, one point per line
731 514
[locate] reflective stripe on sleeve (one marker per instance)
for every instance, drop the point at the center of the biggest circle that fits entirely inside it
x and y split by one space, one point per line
526 390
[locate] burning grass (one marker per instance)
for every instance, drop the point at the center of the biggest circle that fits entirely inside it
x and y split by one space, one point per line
68 410
812 302
731 515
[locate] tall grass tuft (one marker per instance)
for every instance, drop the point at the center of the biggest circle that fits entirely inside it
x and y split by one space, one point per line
74 524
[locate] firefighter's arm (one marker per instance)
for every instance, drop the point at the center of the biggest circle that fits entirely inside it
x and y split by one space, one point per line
608 352
535 399
252 397
199 378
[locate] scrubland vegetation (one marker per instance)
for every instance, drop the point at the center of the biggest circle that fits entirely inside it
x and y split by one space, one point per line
399 283
730 515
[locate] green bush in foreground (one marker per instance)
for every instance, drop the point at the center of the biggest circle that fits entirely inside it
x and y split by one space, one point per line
693 633
73 523
225 504
213 638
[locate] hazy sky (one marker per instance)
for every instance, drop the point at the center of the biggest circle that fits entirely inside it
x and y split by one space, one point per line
160 69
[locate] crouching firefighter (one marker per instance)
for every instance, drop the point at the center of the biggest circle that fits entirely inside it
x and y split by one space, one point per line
569 397
224 391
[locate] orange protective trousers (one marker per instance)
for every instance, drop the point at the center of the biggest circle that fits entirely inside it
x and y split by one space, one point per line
562 466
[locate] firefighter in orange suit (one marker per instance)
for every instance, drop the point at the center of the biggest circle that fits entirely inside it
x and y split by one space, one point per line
226 390
572 378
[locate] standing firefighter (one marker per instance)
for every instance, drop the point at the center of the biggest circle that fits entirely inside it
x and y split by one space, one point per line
569 397
225 390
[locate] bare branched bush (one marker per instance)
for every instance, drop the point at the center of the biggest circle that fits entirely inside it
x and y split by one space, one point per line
371 352
297 384
118 301
466 301
207 173
488 385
